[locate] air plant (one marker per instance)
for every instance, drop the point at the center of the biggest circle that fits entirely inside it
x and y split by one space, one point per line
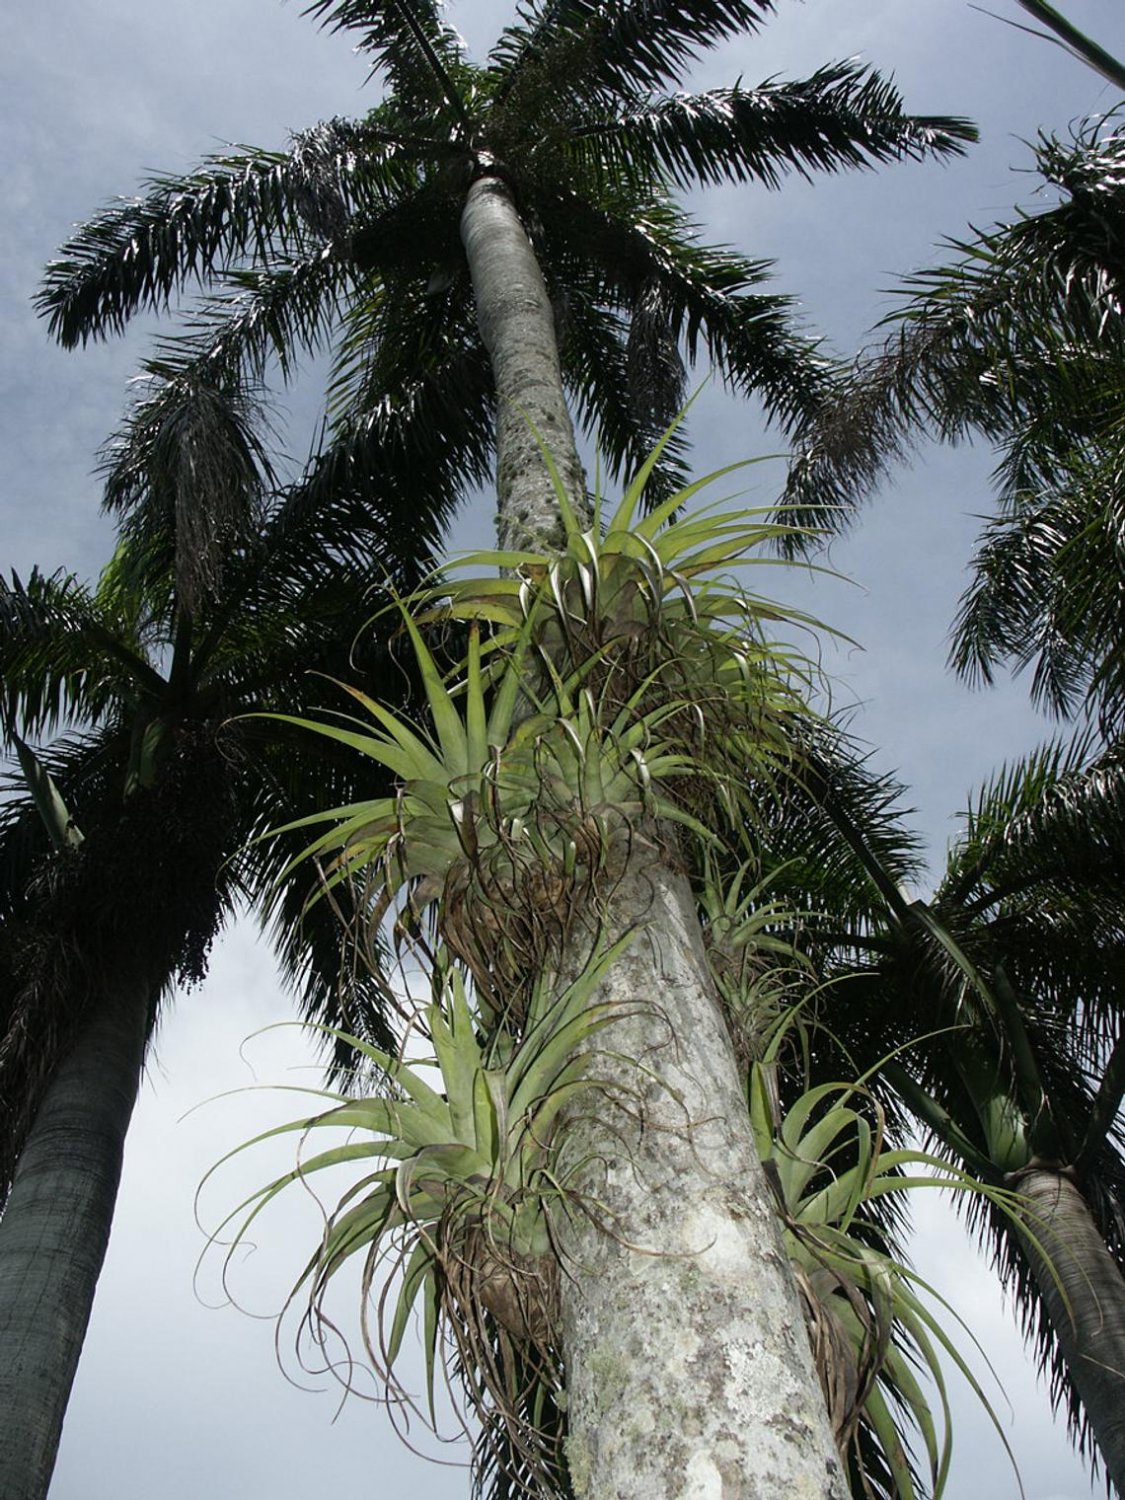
624 689
874 1337
452 1212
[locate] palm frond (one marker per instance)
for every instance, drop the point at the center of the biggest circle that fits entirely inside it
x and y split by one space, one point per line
407 40
1019 339
615 401
256 319
843 116
1038 594
709 296
190 464
417 450
583 50
1055 817
65 654
250 204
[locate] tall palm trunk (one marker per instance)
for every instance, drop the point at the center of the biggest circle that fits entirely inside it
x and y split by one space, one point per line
688 1369
1084 1293
517 325
55 1229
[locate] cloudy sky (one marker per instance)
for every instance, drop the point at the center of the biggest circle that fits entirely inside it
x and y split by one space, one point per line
180 1398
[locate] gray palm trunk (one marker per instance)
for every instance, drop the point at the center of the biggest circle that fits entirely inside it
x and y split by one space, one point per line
688 1370
517 325
55 1230
1084 1293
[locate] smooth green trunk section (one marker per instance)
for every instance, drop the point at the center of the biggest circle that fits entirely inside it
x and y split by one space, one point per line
517 325
1085 1297
54 1233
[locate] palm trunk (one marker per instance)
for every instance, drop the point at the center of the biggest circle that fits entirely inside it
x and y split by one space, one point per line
1084 1293
688 1367
687 1364
54 1233
518 328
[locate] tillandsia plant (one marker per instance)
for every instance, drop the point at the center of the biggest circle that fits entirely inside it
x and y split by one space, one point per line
455 1217
759 973
875 1339
620 708
625 688
505 810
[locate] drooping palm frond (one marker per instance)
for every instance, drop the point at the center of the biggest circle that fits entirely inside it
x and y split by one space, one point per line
624 395
195 449
247 205
843 116
1040 596
711 299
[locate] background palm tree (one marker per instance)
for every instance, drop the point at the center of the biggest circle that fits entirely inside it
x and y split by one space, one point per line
185 629
1021 341
993 1016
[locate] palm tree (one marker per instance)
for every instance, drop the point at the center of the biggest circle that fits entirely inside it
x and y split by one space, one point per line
1019 341
490 237
164 798
998 1002
514 831
484 227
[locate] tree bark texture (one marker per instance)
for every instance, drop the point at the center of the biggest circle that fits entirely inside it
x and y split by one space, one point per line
517 325
54 1233
688 1369
1085 1297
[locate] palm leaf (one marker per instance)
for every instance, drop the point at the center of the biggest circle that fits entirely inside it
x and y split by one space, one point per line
845 115
582 50
138 254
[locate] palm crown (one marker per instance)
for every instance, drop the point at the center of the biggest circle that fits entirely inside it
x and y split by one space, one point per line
351 236
146 672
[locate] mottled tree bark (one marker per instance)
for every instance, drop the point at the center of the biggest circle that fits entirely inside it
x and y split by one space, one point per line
518 328
688 1369
1084 1293
54 1233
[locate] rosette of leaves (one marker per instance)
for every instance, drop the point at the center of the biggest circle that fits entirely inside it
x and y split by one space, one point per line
621 690
874 1338
451 1213
648 608
761 977
512 799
